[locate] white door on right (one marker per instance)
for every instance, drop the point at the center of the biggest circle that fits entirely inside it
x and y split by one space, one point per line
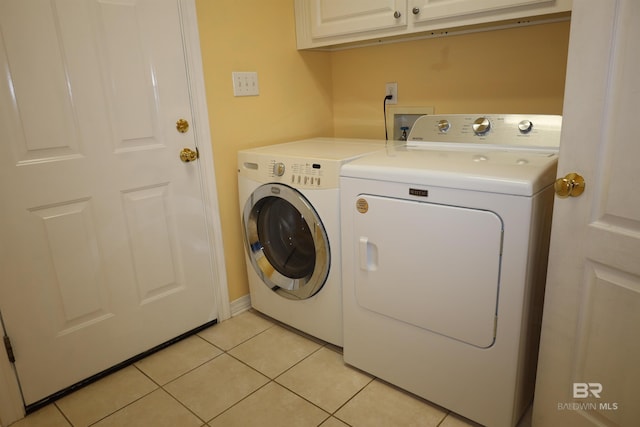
589 365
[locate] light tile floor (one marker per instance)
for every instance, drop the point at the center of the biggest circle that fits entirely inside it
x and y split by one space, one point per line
246 371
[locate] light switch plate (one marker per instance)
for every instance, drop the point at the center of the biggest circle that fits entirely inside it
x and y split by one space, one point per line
245 83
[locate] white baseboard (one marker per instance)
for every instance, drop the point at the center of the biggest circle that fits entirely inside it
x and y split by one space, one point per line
240 305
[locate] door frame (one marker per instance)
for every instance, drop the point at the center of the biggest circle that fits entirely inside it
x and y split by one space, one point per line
11 404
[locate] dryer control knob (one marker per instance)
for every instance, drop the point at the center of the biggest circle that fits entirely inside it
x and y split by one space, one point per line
525 126
481 126
278 169
444 125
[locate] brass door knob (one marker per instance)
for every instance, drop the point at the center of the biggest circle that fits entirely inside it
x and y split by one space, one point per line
182 126
571 185
188 155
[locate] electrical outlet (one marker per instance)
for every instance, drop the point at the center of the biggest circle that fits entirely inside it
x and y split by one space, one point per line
391 89
245 83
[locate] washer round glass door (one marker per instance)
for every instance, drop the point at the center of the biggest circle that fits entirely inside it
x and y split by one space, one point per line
286 241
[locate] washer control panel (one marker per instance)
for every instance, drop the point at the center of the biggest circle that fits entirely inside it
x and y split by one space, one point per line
533 130
312 164
296 172
304 174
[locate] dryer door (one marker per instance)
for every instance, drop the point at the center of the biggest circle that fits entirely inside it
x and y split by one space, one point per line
433 266
286 241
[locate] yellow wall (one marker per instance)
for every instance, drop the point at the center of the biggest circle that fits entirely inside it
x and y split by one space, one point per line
519 70
294 100
304 94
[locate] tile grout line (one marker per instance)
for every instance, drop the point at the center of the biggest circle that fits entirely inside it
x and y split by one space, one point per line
351 398
323 344
161 386
62 413
223 351
272 380
240 343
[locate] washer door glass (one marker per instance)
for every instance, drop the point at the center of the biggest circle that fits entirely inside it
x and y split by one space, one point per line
286 241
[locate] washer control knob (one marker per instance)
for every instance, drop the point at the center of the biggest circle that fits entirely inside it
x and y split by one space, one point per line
278 169
444 125
481 126
525 126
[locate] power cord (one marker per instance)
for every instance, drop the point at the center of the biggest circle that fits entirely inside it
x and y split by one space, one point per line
384 111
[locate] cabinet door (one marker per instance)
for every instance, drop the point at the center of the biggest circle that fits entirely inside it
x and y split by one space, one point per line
431 10
338 17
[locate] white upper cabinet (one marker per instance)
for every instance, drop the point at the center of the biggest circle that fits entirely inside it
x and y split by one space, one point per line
334 22
339 17
479 11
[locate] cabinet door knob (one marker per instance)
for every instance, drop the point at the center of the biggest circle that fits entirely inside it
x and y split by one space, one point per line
397 14
415 10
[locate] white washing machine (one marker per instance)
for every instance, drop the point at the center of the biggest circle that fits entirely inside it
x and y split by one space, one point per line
289 202
445 245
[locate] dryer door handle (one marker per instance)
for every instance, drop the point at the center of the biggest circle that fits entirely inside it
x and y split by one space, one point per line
368 255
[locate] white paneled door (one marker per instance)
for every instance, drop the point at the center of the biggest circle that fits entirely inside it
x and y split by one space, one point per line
104 247
589 366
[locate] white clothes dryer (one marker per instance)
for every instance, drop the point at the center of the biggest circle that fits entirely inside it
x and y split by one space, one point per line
289 202
445 245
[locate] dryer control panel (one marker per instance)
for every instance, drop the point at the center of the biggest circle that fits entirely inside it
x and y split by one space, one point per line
513 130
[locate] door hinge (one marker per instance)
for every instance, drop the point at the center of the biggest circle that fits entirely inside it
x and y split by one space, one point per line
9 348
